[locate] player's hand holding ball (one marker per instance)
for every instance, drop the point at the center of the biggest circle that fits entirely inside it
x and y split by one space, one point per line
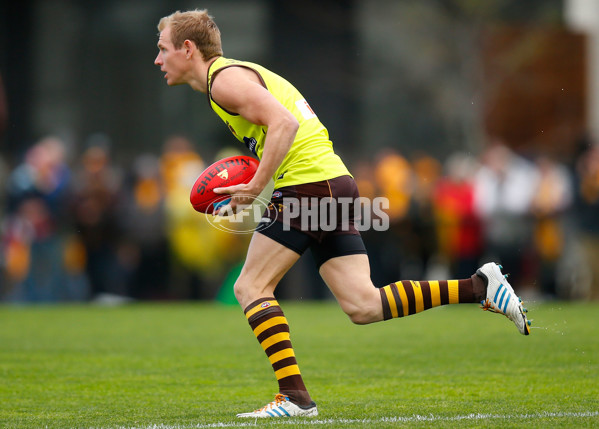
223 187
241 196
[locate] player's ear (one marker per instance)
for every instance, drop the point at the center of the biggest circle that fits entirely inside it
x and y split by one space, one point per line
189 48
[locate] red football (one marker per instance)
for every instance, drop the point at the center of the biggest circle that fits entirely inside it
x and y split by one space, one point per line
230 171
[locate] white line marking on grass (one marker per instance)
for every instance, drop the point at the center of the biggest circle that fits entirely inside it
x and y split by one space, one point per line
398 419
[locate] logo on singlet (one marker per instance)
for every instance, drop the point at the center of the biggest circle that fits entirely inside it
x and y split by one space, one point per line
251 143
305 109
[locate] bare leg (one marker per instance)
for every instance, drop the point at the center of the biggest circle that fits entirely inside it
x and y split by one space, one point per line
348 278
267 261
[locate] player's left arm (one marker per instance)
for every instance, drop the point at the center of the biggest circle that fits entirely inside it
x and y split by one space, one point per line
238 90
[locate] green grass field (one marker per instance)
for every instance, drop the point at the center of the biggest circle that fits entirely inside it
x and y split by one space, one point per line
195 365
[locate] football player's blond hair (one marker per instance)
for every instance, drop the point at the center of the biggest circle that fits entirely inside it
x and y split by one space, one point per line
196 26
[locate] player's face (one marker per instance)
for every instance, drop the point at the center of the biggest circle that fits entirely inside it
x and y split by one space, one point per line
172 61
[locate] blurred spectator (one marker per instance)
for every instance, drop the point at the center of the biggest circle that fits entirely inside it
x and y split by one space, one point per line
94 201
551 200
458 223
179 166
201 254
392 174
421 235
363 173
383 262
587 215
33 230
43 174
504 188
143 222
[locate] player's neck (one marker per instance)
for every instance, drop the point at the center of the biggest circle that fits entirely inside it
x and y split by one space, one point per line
199 80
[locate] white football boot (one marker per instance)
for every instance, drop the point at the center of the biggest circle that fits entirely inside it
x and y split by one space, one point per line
501 297
282 407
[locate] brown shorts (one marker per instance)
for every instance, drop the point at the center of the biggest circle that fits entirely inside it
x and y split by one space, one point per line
320 215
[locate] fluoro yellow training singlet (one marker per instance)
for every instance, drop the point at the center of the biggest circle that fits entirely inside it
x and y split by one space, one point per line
311 157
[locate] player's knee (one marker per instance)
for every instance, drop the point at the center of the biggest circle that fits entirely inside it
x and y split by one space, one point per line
242 291
238 291
246 290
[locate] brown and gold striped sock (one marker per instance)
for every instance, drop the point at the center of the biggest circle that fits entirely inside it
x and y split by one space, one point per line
409 297
272 331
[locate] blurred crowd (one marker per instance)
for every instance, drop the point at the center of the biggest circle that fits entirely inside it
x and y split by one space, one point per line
80 227
537 216
87 229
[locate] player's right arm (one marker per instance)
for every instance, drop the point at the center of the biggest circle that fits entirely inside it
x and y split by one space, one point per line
238 90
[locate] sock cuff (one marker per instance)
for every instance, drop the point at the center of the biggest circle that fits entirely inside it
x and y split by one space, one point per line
385 302
391 301
261 307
